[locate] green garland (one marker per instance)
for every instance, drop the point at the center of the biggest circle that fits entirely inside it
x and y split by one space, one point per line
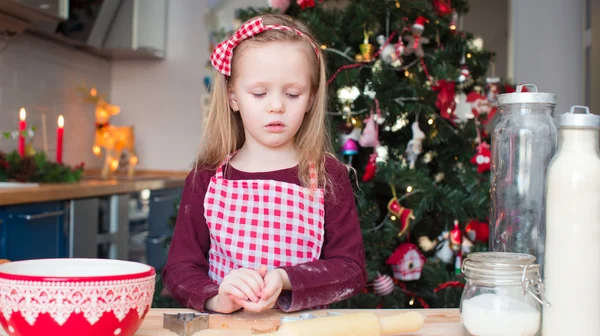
36 168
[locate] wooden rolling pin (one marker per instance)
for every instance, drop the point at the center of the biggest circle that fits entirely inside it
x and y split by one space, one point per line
363 324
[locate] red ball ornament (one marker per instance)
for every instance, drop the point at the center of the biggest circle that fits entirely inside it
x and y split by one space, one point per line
442 7
478 231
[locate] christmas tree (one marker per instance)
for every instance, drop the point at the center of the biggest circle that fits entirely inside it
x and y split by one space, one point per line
411 111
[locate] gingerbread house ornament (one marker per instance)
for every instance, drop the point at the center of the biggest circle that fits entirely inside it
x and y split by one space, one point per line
407 262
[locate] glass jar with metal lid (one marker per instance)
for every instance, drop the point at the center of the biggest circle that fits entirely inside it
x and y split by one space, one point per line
503 295
523 143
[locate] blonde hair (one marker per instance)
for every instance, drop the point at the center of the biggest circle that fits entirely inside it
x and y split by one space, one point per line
223 128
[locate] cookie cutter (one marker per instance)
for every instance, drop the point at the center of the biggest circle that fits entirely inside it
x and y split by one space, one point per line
304 316
185 324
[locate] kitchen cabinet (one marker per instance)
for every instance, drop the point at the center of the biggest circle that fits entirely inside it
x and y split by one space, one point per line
162 208
126 219
31 231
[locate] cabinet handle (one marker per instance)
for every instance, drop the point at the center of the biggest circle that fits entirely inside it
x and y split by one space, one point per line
158 199
43 215
159 240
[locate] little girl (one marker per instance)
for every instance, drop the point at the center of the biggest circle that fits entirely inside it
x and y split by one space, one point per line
267 217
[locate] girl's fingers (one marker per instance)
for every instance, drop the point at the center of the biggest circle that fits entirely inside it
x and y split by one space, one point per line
240 284
268 291
235 292
253 279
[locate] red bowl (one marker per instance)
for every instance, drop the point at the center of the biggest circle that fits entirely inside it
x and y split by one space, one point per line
74 296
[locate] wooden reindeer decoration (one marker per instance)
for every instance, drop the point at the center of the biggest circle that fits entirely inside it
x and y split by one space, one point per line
114 139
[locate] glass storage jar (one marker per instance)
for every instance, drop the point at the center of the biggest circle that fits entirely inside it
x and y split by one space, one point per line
503 295
523 143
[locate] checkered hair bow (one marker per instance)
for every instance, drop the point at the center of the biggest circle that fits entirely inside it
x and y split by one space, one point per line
223 53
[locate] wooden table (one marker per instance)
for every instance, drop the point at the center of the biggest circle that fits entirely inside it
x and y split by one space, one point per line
438 322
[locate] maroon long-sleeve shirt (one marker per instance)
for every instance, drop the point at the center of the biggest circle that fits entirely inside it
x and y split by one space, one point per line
336 276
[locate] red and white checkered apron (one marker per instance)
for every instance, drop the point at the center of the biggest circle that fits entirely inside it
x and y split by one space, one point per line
262 222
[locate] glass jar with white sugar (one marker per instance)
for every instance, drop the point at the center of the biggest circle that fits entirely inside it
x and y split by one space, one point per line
503 295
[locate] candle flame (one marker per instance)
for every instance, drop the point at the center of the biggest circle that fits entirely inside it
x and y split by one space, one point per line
93 92
61 121
22 114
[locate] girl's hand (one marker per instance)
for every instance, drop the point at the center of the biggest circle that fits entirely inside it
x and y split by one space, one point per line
274 284
224 304
244 284
238 286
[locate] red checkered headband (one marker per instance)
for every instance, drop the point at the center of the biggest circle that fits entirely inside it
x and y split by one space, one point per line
223 53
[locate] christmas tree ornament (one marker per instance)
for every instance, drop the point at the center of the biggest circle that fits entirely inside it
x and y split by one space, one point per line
370 134
478 231
479 104
456 237
304 4
382 153
383 285
453 21
463 111
445 101
482 157
366 48
464 74
441 246
400 213
281 5
456 240
415 145
350 147
387 52
407 262
348 94
399 48
369 92
442 7
492 89
371 168
415 41
377 66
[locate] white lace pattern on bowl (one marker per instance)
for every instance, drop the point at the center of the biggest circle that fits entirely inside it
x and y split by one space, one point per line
60 299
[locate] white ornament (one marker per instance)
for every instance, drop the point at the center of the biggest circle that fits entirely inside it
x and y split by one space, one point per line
415 146
481 159
463 111
348 94
388 53
368 91
382 153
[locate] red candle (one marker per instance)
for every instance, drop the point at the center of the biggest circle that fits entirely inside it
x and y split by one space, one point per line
59 138
22 127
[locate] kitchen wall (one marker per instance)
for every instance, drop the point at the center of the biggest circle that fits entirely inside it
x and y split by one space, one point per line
489 21
42 76
163 99
547 44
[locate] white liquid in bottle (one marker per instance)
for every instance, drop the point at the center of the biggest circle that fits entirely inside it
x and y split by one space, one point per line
572 251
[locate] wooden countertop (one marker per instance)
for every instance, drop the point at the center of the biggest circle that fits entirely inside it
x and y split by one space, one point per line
91 185
438 322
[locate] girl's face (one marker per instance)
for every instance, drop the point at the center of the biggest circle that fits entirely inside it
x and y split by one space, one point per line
272 91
